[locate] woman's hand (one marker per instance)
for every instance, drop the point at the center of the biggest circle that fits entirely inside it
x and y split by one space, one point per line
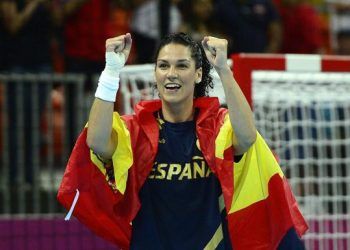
117 52
119 44
216 51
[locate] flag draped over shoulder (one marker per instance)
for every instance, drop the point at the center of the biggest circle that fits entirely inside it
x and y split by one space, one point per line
108 191
96 204
263 207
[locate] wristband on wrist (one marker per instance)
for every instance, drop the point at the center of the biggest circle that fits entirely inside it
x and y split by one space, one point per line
108 86
108 83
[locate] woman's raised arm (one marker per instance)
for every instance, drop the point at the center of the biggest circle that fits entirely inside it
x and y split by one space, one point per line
101 138
241 116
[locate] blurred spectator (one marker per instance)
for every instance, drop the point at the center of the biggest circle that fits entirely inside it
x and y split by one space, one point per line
29 27
4 42
302 28
3 63
151 20
343 40
252 25
198 19
340 20
120 22
87 25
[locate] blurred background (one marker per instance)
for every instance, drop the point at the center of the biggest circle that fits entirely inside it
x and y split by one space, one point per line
51 55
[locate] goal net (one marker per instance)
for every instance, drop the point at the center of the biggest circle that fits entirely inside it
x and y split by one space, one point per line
302 108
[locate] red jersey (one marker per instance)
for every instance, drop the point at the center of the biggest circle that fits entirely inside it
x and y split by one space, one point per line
86 31
302 30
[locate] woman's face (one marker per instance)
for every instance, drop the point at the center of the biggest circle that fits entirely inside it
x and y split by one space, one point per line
176 74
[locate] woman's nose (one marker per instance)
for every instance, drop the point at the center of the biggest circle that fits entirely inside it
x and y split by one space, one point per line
172 72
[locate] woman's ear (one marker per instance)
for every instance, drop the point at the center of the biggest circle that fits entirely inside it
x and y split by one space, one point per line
199 75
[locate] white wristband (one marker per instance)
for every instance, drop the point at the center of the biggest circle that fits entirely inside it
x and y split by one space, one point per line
108 86
108 83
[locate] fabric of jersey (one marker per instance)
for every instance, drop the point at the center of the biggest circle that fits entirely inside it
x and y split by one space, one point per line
180 198
259 203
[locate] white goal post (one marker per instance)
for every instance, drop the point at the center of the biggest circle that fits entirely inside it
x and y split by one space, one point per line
301 105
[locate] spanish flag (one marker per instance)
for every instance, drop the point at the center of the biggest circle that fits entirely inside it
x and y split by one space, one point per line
95 207
262 208
259 203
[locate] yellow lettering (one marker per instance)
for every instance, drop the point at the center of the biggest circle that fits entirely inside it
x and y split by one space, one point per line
186 172
197 158
161 171
199 169
174 169
190 170
208 172
153 171
151 175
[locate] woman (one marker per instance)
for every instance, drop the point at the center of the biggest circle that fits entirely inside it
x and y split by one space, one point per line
168 168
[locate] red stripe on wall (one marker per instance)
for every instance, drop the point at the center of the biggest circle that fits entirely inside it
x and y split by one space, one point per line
336 63
244 64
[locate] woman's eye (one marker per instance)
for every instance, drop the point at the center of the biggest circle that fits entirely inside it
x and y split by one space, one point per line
162 65
182 66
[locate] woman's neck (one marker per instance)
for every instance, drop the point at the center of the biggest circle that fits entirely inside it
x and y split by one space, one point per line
177 113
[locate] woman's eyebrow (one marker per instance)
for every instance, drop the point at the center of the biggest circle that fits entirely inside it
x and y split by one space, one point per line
180 60
184 60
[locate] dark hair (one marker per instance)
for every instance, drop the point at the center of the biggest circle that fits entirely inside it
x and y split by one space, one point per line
198 54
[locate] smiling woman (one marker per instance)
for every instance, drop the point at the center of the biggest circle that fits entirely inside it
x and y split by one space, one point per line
164 177
176 76
176 72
